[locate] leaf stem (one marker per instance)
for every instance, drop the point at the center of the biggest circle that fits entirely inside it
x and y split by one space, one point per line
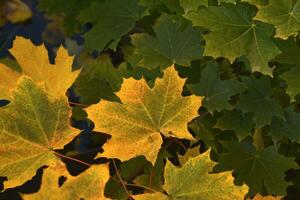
121 180
73 159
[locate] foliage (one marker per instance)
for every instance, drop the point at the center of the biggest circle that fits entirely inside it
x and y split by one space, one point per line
174 99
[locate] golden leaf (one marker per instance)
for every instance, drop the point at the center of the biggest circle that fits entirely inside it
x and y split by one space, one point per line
145 113
34 62
88 185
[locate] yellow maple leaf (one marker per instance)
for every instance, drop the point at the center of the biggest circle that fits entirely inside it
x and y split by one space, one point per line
88 185
37 119
145 113
34 62
31 126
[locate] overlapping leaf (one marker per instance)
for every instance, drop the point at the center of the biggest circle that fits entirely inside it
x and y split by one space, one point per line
144 114
234 33
217 92
88 185
193 181
172 44
235 120
292 79
31 126
258 100
259 169
112 19
289 128
285 15
37 119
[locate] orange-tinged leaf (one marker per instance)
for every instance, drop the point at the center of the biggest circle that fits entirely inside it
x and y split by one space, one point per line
8 81
145 113
34 62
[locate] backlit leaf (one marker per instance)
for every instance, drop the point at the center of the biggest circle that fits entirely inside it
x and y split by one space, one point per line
144 114
31 126
194 181
34 62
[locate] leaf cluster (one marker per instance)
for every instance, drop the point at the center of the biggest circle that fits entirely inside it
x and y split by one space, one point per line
202 101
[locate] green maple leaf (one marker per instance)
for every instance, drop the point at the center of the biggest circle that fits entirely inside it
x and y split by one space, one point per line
234 33
258 100
285 15
293 82
217 92
98 80
128 170
195 182
290 128
111 20
70 9
170 45
153 174
289 51
202 127
258 169
31 126
234 120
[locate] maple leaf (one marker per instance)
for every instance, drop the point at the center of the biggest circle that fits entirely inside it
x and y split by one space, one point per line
171 45
127 171
98 79
152 177
112 19
285 15
143 115
31 126
217 92
34 62
258 100
289 128
289 51
292 79
69 9
88 185
202 127
259 169
234 33
235 120
194 181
